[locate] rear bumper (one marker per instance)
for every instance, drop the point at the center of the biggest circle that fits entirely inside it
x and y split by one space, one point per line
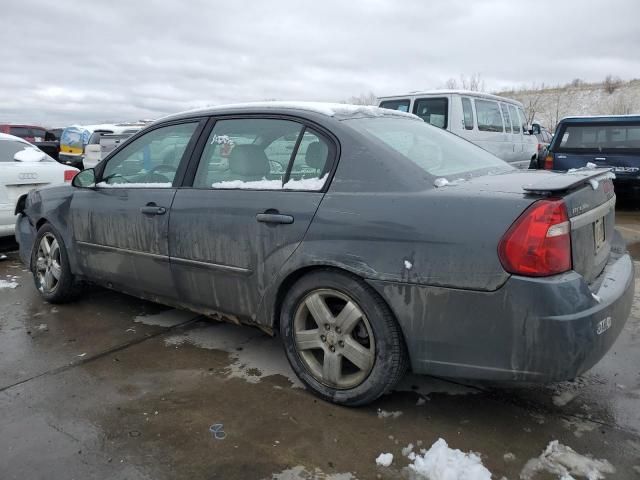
7 220
73 160
547 329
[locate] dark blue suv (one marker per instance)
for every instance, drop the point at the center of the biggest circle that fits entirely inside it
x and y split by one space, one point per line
606 141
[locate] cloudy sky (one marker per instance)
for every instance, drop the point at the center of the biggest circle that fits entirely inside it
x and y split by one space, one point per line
67 61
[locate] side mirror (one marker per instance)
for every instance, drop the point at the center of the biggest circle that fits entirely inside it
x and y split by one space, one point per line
535 129
29 155
85 179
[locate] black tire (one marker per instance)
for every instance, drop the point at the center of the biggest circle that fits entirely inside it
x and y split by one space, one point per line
389 353
66 288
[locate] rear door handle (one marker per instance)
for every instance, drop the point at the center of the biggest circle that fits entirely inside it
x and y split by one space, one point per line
274 218
153 210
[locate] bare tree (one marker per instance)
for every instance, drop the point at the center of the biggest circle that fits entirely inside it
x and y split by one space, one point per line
363 99
620 106
473 82
451 84
611 84
577 82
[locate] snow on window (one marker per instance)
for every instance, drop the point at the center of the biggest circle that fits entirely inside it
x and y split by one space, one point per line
264 184
134 185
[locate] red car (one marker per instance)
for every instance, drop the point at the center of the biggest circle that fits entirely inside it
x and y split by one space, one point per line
30 133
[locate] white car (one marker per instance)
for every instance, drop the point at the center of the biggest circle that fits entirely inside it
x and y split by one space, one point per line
497 124
24 167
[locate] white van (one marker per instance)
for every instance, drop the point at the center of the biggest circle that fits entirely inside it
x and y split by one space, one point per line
494 123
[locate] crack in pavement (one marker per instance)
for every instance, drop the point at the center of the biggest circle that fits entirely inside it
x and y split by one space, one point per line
117 348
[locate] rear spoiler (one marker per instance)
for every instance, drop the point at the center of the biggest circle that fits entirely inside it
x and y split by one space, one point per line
562 181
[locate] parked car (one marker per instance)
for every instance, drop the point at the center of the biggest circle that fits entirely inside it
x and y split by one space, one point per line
30 133
497 124
366 237
544 137
101 143
605 141
24 167
74 140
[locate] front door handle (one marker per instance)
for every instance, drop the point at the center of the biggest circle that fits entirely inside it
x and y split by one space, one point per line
153 209
274 218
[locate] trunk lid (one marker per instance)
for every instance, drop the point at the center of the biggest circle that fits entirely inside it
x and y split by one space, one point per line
19 178
590 201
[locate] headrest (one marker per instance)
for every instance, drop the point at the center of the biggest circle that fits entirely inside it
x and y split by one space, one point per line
248 161
316 156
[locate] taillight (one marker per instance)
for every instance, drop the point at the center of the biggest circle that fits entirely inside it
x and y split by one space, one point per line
538 243
548 162
69 174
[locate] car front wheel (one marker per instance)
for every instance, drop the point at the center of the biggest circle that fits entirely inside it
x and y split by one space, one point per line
341 339
50 267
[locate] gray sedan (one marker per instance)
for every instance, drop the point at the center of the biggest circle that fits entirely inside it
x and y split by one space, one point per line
370 240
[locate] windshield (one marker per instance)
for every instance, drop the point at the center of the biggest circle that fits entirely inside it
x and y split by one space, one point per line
436 151
600 138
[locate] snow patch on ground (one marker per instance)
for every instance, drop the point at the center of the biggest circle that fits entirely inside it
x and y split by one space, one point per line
563 398
385 414
579 426
8 284
301 473
254 355
168 318
443 463
384 459
564 462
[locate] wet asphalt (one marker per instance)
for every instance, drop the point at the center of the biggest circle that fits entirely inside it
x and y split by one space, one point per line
119 388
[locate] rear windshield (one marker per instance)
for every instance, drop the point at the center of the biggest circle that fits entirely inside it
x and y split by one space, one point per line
8 148
600 138
436 151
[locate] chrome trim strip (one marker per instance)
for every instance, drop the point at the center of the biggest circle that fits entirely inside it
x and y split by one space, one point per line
183 261
214 266
592 215
123 250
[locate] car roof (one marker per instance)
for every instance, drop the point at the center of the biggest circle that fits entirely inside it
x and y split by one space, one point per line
466 93
335 110
601 119
6 136
21 125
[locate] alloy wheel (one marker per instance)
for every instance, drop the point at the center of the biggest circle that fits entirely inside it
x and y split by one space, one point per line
334 339
48 263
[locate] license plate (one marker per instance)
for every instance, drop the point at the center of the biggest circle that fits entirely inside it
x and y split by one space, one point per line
598 232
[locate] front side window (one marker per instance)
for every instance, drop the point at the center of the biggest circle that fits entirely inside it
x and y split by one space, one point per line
505 116
437 152
489 117
523 120
467 112
515 121
401 105
263 154
432 110
150 161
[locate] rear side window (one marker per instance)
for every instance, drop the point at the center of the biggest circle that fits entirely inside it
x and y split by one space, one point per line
515 122
505 116
600 138
8 148
432 110
489 117
523 120
467 112
263 154
401 105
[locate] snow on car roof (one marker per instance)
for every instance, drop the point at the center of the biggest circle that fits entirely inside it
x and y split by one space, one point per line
322 108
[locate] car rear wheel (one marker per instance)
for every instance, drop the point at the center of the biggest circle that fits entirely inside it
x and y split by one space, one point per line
50 267
341 339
